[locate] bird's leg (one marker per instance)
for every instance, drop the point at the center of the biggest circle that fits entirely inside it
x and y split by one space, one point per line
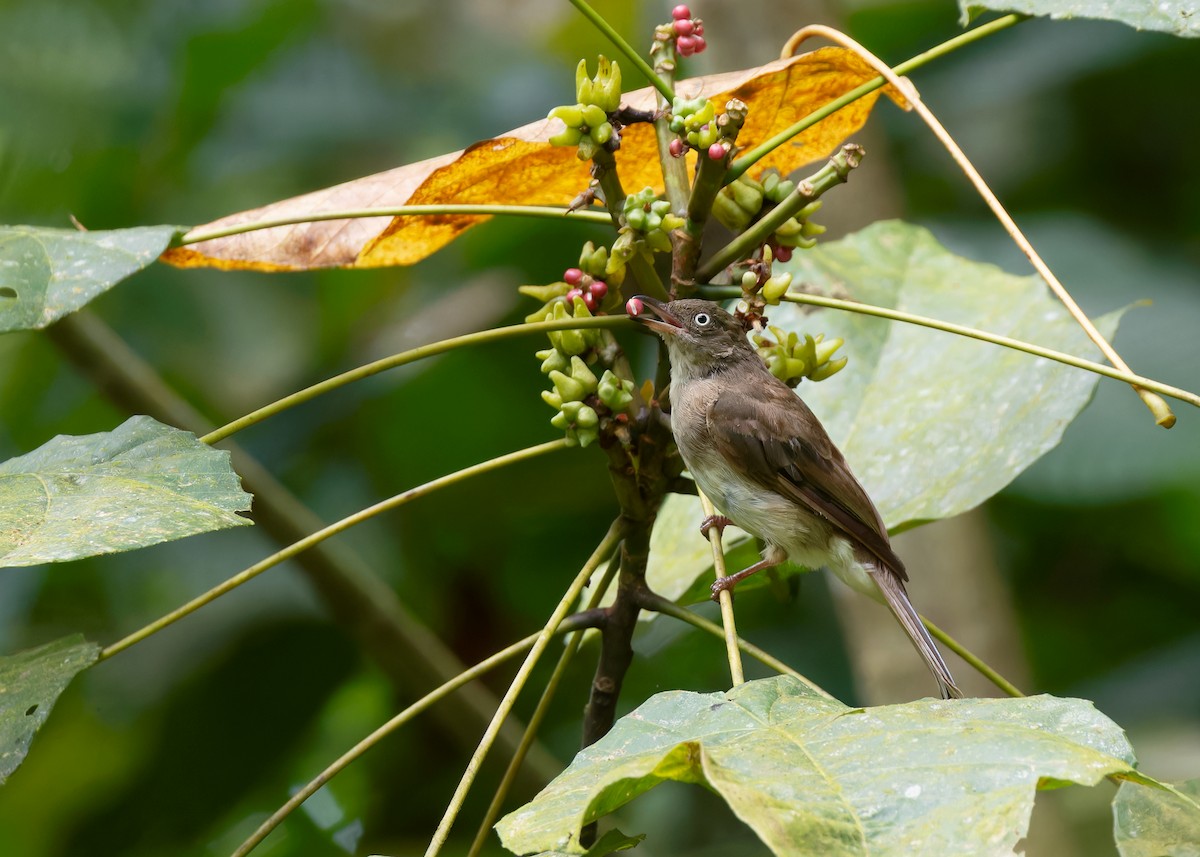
723 583
718 521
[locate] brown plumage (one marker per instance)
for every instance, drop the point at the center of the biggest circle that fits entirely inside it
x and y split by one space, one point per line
766 462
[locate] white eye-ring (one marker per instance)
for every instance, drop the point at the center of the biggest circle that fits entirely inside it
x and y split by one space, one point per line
703 319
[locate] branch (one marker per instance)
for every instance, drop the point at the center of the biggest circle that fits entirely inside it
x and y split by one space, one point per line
721 292
974 660
553 212
736 675
624 47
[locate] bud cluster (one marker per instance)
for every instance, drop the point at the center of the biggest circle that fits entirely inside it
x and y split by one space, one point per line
587 121
741 202
791 360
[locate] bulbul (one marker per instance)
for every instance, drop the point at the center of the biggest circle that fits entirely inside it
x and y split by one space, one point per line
768 465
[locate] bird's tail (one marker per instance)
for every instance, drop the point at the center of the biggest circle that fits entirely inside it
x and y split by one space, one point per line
897 600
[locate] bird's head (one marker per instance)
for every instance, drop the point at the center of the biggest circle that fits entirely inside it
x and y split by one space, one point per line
700 336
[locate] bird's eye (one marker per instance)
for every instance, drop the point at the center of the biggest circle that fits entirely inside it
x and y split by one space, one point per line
703 319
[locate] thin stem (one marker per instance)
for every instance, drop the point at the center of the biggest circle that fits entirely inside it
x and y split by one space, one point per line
602 552
972 659
195 237
624 47
1158 407
752 156
322 534
430 350
983 336
725 597
834 173
656 603
338 765
570 648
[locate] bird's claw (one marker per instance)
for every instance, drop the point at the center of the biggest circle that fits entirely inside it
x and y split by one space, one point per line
723 584
718 521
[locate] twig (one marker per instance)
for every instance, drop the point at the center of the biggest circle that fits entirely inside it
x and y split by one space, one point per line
974 660
736 675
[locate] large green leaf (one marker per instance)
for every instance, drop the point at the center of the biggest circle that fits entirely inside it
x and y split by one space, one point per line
812 776
1178 17
138 485
1153 822
30 684
48 273
931 423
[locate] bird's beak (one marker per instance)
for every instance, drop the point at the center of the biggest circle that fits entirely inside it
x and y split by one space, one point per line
665 323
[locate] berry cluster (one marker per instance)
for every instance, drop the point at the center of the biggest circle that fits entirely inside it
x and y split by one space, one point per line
584 286
689 31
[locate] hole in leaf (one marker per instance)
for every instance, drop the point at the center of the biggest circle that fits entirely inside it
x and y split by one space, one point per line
8 292
31 709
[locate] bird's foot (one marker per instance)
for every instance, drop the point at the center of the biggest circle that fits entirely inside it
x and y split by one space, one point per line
718 521
723 584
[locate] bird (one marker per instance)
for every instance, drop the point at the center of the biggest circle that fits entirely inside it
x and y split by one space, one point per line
767 464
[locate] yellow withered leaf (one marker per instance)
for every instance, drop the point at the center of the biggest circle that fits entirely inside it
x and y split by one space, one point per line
522 168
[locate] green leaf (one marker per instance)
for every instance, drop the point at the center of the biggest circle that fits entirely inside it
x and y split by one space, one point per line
48 273
610 843
138 485
812 776
1178 17
1155 822
30 684
931 423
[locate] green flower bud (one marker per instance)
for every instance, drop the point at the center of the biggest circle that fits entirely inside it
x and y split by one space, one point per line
729 213
567 137
567 387
583 84
608 76
671 222
795 368
587 436
636 218
769 180
776 287
552 399
560 421
545 293
827 370
581 373
658 241
586 418
809 210
602 133
790 228
749 281
825 350
587 148
570 114
554 361
594 116
810 229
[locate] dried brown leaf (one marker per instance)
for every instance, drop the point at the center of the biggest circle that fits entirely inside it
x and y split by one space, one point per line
522 168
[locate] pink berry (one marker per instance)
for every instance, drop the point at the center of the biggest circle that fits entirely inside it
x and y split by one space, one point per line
599 289
589 301
634 307
675 147
716 151
697 27
572 276
700 44
683 27
574 293
783 254
680 12
686 45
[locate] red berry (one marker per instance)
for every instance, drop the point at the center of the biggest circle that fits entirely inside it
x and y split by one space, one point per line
574 293
686 45
700 44
634 307
572 276
716 151
589 301
599 289
680 12
783 254
675 147
683 27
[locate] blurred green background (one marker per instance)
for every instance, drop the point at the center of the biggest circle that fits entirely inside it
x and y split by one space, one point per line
177 112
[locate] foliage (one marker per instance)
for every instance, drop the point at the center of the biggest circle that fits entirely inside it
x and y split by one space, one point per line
963 419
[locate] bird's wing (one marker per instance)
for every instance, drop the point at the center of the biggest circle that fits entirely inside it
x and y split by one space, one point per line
783 447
